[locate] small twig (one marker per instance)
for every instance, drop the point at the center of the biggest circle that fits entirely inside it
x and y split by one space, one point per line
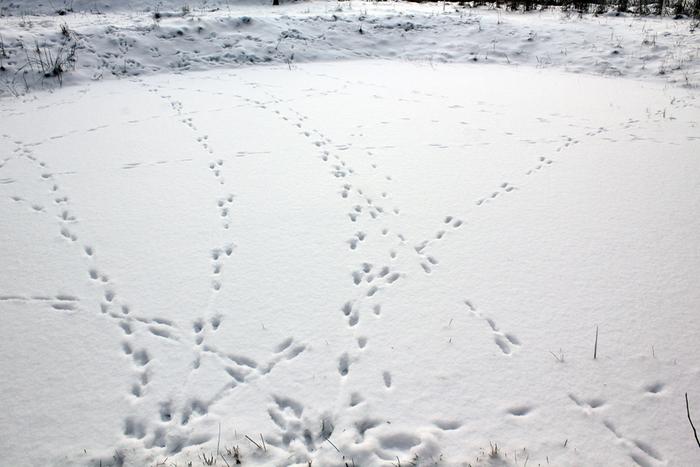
336 447
595 347
687 408
263 441
251 440
560 357
222 456
218 440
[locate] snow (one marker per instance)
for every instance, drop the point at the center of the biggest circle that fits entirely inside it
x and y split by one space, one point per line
369 261
127 40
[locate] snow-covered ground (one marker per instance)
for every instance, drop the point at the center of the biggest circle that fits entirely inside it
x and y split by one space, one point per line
353 262
103 43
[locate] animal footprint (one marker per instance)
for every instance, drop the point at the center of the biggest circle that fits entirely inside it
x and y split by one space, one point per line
286 413
519 411
588 404
134 428
359 237
447 425
386 376
506 342
344 365
543 162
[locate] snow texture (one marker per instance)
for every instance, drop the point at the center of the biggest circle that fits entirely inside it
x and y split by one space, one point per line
118 42
357 261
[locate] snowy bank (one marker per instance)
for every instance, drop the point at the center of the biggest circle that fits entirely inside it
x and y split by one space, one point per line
40 51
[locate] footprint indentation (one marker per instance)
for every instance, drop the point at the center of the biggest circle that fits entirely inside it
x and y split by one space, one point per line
520 411
447 425
344 365
387 379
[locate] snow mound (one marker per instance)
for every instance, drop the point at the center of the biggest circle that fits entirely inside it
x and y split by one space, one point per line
44 51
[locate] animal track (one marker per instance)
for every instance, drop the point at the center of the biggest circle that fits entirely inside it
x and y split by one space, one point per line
386 376
141 357
134 428
287 414
428 262
194 407
520 411
543 163
505 187
640 450
160 332
401 442
587 404
506 342
344 365
654 388
448 425
359 237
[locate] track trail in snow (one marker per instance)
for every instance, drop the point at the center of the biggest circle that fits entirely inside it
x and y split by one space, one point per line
56 204
168 357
